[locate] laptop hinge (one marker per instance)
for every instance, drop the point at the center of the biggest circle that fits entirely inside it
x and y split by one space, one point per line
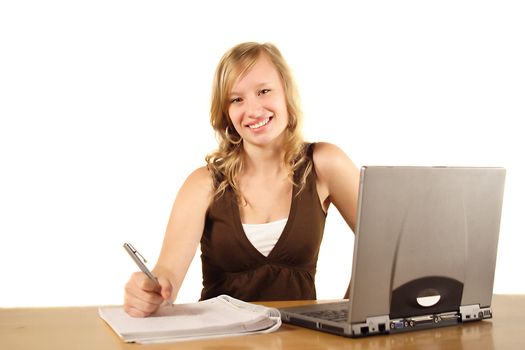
373 325
474 313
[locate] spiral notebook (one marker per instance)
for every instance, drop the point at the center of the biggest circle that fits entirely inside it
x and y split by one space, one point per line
221 316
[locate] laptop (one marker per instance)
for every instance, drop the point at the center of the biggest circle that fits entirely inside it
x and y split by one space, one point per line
424 252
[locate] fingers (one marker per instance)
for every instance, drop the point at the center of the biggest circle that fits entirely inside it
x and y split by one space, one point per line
145 302
135 312
142 296
145 283
166 289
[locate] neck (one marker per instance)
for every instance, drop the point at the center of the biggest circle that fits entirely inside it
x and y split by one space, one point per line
263 160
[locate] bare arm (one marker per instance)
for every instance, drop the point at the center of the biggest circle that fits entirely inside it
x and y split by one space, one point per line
185 227
183 233
337 181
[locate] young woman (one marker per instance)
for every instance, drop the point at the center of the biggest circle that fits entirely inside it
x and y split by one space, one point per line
258 208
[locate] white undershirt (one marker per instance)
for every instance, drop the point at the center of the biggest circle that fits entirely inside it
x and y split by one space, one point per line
264 236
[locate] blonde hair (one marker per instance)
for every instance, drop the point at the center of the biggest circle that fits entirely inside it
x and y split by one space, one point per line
225 163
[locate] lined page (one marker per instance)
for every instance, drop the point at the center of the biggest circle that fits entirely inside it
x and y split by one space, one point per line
214 316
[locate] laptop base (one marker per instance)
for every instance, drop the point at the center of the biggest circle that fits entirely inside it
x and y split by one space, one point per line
383 324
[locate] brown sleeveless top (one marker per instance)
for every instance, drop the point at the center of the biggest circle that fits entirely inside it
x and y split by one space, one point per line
232 265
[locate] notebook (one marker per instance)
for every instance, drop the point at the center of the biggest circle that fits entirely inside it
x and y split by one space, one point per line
217 317
424 253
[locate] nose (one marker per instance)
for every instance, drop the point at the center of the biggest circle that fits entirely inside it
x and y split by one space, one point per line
254 109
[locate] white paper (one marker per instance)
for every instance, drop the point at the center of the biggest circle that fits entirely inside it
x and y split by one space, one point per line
220 316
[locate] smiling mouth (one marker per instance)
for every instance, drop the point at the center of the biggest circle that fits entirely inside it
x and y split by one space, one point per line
260 124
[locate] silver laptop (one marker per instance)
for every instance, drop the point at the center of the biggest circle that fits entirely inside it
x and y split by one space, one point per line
424 253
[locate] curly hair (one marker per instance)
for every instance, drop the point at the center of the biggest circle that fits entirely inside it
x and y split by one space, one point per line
226 162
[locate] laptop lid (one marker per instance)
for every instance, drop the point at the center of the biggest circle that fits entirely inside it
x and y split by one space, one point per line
426 240
424 252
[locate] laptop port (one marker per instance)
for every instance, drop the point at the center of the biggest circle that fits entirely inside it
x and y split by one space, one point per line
303 323
381 327
333 329
364 330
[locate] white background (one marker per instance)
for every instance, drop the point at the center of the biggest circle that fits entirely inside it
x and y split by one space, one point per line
104 112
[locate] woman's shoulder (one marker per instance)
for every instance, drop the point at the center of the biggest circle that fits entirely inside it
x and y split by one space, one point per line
200 180
201 174
325 153
330 159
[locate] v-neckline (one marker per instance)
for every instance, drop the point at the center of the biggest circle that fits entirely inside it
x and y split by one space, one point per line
241 235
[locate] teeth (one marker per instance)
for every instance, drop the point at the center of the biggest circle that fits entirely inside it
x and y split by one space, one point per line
258 125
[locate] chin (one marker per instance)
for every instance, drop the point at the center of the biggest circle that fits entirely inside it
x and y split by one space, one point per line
267 140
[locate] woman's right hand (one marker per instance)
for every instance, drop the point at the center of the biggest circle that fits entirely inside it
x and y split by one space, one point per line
183 233
143 296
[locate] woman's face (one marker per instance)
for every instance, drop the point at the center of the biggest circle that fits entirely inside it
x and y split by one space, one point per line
257 104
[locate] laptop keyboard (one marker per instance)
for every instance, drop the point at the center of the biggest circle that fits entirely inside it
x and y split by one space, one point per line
329 315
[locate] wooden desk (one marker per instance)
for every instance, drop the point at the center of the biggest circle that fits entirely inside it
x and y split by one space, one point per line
81 328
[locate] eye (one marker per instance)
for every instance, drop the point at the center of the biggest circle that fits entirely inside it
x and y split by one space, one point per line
264 91
236 100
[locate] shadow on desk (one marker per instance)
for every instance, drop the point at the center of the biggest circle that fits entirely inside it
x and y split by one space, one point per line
454 337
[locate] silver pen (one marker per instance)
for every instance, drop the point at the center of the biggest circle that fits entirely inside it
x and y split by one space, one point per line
140 260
